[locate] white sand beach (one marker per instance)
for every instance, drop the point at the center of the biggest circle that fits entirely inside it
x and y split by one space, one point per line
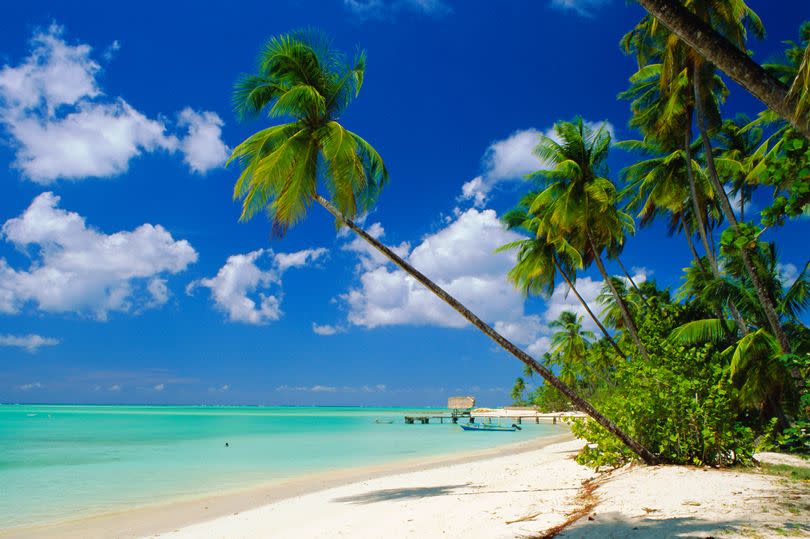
532 494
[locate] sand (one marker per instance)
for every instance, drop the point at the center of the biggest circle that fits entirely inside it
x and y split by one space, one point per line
527 495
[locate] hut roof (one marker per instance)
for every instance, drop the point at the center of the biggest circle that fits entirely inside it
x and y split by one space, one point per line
460 403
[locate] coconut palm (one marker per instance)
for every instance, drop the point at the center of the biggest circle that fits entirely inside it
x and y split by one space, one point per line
741 159
287 167
732 18
578 202
721 50
569 345
537 263
660 185
611 312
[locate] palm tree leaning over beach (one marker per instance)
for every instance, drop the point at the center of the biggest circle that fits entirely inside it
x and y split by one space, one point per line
287 167
537 262
578 203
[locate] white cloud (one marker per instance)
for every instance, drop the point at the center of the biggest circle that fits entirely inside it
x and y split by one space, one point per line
64 126
202 147
511 159
31 343
79 269
241 276
584 8
368 256
28 387
159 387
378 388
383 9
114 388
788 273
461 259
326 329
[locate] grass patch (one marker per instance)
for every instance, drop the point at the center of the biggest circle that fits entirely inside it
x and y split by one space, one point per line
796 473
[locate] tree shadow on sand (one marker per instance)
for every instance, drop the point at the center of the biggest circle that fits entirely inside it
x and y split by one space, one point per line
390 494
393 494
615 525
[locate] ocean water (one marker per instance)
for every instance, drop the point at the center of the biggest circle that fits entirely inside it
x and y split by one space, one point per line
63 462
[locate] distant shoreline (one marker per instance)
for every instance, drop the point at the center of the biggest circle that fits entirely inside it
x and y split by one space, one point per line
171 515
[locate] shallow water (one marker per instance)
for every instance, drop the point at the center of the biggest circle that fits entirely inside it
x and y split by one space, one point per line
61 462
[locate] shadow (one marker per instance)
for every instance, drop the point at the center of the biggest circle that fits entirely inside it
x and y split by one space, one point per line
615 525
390 494
393 494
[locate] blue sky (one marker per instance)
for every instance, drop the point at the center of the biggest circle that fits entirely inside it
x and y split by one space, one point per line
126 277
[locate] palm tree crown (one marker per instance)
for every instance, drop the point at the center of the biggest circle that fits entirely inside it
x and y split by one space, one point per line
301 77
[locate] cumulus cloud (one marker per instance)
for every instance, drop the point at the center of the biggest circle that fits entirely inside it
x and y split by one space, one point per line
326 329
242 277
384 9
76 268
159 387
459 258
30 343
585 8
28 387
202 146
62 125
511 159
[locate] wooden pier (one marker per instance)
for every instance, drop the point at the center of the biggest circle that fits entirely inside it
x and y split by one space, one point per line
453 418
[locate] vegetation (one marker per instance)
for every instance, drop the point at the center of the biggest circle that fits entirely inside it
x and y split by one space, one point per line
701 376
704 375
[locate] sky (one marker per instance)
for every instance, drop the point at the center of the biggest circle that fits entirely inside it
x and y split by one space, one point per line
126 276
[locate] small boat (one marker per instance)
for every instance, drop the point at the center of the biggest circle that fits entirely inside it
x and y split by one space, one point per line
383 421
490 428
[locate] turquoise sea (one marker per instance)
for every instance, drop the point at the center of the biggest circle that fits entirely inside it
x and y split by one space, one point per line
61 462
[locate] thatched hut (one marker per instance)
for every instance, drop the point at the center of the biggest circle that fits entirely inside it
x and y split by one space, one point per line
461 405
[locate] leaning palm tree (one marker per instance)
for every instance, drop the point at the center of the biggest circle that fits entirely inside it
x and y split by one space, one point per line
788 102
578 203
681 64
313 158
538 263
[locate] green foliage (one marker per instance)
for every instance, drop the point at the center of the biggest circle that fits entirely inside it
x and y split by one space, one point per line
788 172
301 77
682 404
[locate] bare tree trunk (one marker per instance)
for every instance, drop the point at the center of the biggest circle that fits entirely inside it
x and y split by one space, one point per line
725 205
628 320
722 53
589 311
735 313
580 403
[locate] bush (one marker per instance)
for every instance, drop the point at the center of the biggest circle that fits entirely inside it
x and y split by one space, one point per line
680 405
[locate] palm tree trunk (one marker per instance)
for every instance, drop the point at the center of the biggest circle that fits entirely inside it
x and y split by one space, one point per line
725 205
589 311
628 320
736 63
735 313
580 403
632 282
